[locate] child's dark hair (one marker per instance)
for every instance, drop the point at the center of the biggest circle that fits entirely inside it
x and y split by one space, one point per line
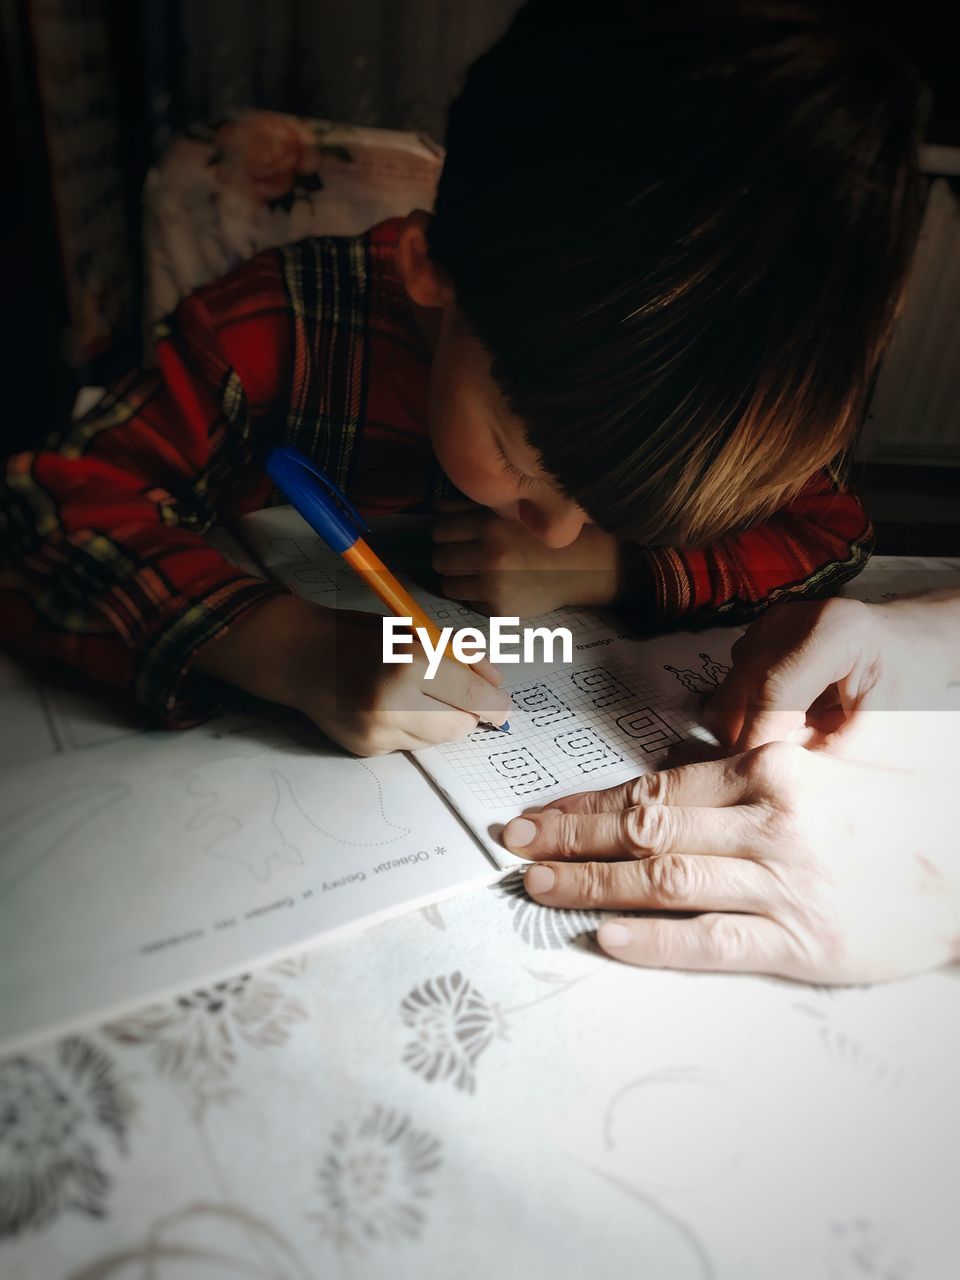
682 230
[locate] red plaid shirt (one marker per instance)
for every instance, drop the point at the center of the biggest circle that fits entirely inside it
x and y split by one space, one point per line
106 568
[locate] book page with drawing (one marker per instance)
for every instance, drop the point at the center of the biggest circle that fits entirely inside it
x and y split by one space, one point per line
158 862
136 864
598 720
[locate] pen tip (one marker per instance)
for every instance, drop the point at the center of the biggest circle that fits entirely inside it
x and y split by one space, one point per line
505 727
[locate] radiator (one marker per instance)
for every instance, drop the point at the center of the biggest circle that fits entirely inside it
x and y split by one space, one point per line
914 412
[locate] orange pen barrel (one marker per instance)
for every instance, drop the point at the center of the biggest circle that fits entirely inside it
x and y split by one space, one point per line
371 569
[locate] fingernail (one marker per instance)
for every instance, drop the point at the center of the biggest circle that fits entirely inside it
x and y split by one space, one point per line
540 879
611 934
519 832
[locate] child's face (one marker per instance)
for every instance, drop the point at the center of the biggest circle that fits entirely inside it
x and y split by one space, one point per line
481 445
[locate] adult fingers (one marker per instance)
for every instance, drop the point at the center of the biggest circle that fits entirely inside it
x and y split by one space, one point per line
772 712
693 751
669 883
723 710
727 943
804 652
766 698
640 832
756 701
769 646
714 783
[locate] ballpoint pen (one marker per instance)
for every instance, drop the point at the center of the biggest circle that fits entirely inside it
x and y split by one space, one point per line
333 518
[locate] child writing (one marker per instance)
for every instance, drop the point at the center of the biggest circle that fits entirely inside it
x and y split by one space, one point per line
636 333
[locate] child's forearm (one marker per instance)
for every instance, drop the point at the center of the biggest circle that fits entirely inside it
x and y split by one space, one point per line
263 651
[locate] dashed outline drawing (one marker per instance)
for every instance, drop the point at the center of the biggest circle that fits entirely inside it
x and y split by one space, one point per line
286 812
587 749
539 777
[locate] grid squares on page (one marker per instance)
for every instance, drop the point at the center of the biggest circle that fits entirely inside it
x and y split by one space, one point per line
566 730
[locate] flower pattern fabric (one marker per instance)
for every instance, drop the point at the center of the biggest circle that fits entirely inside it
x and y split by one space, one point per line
540 927
263 179
375 1179
452 1024
195 1039
329 1163
59 1119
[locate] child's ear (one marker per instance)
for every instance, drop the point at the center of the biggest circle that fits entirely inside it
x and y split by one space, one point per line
425 283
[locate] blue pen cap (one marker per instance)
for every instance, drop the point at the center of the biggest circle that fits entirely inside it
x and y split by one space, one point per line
326 510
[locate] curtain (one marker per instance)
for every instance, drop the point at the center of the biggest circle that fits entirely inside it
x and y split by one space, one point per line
77 92
117 79
390 63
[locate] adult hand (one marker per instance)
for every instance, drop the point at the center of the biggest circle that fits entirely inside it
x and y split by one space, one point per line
795 863
816 671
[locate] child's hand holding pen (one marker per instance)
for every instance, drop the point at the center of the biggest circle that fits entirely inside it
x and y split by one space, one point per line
328 664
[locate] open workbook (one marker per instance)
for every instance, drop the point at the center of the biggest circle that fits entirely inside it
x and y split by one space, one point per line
137 864
594 721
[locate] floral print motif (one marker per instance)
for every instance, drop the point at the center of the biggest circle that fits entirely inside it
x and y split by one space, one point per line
433 915
195 1039
543 928
220 194
272 159
374 1180
271 156
53 1119
452 1024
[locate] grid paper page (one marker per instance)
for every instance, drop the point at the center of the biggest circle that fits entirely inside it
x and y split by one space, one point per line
567 728
606 718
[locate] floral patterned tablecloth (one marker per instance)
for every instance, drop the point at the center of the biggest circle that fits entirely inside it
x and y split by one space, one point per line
473 1089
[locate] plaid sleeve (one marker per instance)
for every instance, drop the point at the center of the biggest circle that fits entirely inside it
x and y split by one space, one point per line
105 568
808 549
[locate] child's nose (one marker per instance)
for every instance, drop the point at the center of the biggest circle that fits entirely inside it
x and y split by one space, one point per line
556 526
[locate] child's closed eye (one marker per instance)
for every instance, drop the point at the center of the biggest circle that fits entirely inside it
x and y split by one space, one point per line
521 477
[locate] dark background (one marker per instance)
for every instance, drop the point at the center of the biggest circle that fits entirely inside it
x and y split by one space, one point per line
165 64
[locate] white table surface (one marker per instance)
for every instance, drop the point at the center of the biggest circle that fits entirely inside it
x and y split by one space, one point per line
474 1090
